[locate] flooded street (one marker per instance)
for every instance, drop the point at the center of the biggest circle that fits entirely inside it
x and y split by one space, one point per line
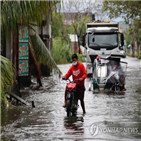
109 116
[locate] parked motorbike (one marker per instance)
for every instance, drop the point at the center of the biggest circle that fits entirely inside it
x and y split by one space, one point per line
71 98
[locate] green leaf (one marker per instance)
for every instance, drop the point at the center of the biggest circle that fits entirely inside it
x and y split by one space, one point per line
7 74
42 54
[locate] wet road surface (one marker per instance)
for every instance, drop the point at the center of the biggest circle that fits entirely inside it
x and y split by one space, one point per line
109 116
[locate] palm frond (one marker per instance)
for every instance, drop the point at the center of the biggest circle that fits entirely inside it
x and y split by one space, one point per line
7 74
24 12
35 60
42 54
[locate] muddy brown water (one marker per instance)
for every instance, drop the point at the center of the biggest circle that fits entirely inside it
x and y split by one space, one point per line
109 117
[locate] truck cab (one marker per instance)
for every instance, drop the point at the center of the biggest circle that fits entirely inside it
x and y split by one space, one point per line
102 39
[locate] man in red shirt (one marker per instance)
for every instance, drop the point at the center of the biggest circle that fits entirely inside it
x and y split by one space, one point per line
78 71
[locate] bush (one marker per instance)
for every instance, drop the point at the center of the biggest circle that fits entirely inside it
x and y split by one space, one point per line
61 52
81 58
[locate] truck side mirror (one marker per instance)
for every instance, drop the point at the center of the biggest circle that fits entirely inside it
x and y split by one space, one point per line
122 39
83 40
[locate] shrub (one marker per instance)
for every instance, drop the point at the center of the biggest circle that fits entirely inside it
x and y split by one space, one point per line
61 52
81 58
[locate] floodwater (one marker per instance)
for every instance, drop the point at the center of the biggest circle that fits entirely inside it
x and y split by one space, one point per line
109 116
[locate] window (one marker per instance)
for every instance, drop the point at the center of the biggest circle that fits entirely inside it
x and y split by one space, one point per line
103 40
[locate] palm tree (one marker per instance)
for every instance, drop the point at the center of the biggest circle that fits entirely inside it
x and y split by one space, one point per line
24 13
7 77
29 13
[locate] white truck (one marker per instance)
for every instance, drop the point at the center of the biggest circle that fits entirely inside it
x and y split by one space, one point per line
104 48
102 39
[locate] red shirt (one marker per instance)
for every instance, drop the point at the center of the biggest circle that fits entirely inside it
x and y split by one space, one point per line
77 72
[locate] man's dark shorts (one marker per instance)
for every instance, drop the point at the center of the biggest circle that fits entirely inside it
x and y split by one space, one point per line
80 92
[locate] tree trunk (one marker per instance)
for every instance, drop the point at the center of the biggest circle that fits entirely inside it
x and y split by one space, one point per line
79 46
132 50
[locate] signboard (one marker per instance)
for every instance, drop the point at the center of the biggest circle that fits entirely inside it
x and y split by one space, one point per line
23 51
23 34
23 68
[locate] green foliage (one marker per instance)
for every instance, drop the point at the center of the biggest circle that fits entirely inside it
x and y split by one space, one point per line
78 27
134 33
128 36
58 28
7 74
7 78
139 57
29 13
61 52
129 9
3 99
57 24
137 30
41 52
71 30
24 13
81 58
128 54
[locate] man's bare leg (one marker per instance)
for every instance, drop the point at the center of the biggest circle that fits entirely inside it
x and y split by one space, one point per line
83 107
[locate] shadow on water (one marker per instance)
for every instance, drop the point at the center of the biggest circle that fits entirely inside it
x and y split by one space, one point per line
74 126
112 94
8 116
48 121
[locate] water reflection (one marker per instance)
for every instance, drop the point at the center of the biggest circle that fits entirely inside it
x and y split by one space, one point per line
75 124
48 122
112 93
8 116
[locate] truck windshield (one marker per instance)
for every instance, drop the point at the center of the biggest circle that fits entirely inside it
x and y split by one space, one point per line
102 40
